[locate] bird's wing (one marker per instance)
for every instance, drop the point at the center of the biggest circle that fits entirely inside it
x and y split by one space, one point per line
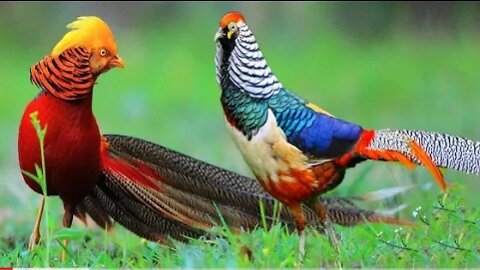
313 130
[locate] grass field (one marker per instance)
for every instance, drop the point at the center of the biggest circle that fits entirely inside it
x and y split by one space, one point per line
168 94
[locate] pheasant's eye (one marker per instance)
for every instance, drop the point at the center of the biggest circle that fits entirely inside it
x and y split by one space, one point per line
103 52
232 27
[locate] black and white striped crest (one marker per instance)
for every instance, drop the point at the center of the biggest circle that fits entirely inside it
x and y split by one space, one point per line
246 67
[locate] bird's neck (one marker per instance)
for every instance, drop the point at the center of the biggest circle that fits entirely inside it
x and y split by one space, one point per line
81 108
67 76
244 112
244 67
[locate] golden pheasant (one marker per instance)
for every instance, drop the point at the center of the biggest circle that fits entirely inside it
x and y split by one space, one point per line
72 144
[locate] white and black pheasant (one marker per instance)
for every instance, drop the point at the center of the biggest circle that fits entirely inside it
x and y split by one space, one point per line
298 151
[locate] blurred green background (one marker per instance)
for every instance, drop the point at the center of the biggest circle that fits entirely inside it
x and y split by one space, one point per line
396 65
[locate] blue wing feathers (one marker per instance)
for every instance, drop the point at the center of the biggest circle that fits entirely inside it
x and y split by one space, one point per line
312 132
325 136
315 133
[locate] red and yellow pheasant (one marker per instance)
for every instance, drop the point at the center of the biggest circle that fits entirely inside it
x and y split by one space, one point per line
298 151
64 105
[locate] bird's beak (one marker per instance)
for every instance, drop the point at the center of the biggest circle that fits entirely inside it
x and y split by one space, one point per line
219 35
117 61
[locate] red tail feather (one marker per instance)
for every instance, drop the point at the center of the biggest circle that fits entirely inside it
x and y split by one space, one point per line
363 148
423 156
134 171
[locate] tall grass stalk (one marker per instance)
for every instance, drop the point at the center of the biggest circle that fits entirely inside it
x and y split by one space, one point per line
41 179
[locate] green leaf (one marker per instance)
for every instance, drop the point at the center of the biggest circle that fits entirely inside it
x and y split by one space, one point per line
39 172
69 234
31 175
44 132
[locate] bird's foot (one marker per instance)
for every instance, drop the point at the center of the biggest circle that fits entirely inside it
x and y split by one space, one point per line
34 240
245 251
332 236
67 223
301 248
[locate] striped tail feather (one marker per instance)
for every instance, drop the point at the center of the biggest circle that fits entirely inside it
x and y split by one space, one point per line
109 201
158 193
191 175
150 189
430 149
90 207
345 211
383 194
446 151
113 203
351 216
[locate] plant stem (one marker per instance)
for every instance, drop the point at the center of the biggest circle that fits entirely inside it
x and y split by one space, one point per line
42 181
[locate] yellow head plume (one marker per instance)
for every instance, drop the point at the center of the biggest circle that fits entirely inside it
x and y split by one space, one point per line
89 32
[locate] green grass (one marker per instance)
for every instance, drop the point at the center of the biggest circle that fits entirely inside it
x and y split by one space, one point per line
446 235
168 94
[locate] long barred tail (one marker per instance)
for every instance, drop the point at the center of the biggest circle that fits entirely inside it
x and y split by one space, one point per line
156 192
446 151
430 149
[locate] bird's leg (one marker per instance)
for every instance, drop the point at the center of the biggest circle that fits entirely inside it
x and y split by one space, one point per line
301 246
67 223
35 237
300 222
321 212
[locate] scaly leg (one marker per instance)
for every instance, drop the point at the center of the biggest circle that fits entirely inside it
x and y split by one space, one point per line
301 222
67 223
35 237
321 212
